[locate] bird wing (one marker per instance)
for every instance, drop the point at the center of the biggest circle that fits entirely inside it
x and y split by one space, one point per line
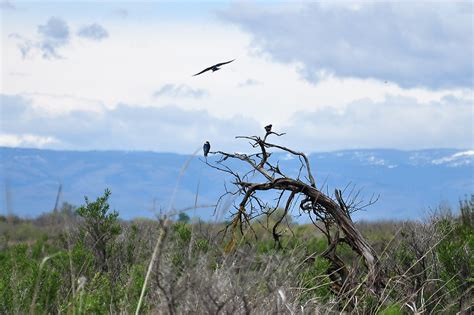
207 69
222 63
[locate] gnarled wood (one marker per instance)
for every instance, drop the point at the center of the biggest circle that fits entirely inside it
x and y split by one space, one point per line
333 213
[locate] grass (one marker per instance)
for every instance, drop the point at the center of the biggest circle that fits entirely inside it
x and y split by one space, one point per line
51 265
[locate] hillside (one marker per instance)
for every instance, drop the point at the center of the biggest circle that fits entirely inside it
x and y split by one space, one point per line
409 183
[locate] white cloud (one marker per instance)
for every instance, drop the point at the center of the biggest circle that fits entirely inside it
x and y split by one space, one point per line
413 44
55 29
85 87
53 35
122 127
179 90
393 123
26 140
50 36
93 31
396 122
55 105
115 71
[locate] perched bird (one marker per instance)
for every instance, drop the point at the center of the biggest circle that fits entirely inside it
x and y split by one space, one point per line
268 128
214 67
206 148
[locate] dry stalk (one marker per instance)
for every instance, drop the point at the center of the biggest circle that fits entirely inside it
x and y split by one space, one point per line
162 233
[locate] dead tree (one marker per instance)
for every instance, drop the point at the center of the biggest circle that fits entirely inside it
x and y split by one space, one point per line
331 216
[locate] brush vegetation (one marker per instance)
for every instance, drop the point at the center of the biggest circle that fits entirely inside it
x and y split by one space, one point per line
86 260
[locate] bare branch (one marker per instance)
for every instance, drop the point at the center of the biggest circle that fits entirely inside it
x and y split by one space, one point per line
245 158
308 168
333 214
276 235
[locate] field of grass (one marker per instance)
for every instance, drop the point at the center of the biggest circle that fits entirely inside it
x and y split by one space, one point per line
86 261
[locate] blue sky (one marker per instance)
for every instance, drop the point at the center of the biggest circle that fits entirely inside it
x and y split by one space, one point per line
333 75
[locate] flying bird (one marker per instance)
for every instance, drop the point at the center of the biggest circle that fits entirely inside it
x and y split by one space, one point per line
214 67
268 128
206 148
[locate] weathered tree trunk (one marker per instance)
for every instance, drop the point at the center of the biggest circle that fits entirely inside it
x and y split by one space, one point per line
351 235
327 210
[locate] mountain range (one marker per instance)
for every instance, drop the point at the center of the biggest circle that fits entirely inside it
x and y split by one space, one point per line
406 184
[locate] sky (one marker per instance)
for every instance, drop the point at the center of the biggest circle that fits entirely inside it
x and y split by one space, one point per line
88 75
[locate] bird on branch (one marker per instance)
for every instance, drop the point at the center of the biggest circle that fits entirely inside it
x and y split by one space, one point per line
268 128
206 148
214 67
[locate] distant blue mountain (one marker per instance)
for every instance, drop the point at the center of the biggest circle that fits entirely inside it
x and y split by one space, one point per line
408 183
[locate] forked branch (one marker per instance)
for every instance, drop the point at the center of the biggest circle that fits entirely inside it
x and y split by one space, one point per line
335 215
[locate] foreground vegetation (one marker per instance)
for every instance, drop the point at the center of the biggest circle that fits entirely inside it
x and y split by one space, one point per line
86 261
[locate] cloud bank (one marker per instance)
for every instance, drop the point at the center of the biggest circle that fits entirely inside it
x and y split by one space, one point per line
396 122
127 127
414 45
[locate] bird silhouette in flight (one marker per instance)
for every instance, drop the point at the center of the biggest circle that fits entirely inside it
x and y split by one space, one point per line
214 67
206 148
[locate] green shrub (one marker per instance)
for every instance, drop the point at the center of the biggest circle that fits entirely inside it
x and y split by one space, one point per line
101 226
316 280
391 310
202 245
183 232
456 250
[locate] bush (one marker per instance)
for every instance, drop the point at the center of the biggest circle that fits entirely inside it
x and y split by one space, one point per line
428 266
100 226
456 251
